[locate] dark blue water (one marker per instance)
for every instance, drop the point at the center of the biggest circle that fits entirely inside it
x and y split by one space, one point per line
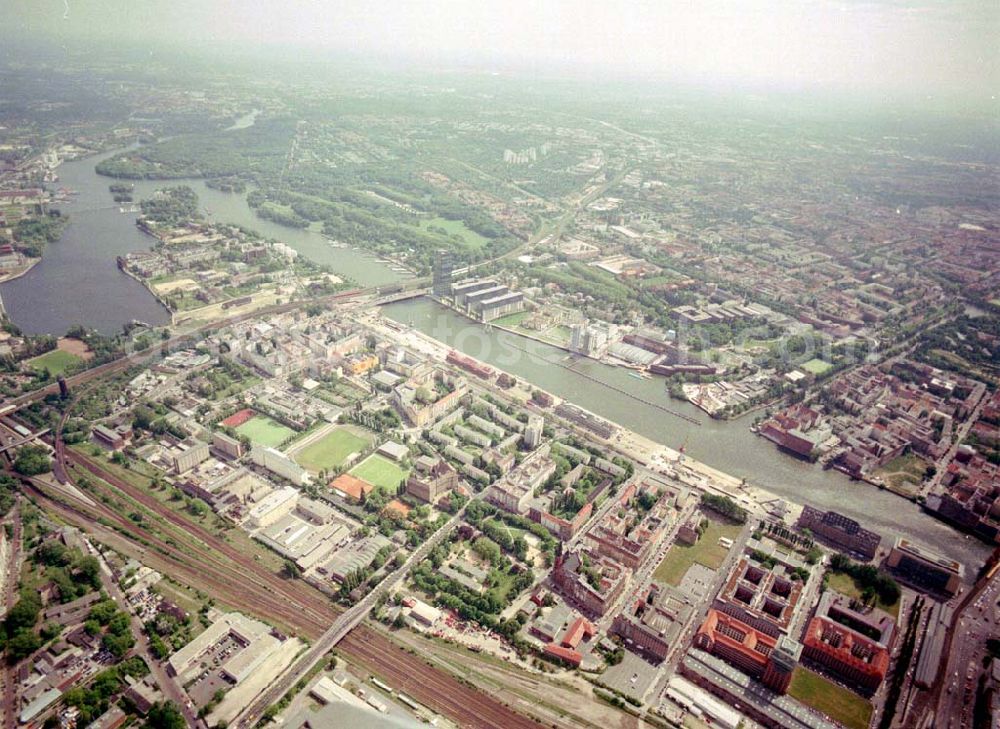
77 280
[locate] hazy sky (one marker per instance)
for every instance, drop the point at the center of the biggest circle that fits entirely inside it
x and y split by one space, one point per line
920 46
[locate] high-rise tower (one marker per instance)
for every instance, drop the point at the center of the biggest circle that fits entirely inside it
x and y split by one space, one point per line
444 265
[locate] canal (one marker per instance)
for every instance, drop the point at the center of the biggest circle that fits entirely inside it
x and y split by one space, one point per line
726 445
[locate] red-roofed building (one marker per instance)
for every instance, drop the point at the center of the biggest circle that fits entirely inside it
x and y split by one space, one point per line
350 487
854 645
567 655
579 629
770 660
29 195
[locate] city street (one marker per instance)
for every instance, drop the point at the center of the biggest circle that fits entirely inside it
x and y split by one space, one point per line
168 685
669 666
977 623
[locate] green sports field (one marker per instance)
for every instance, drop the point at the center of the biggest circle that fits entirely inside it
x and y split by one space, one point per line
333 449
264 431
817 366
380 471
56 362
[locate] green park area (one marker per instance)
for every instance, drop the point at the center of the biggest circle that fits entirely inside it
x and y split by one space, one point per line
455 227
846 585
514 532
381 472
827 697
333 449
817 366
706 551
264 431
56 362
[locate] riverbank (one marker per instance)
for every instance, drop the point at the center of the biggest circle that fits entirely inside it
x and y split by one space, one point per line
13 275
576 356
659 458
726 447
78 282
146 285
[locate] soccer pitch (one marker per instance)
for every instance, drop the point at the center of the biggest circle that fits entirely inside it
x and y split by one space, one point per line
817 366
380 471
264 431
56 362
333 449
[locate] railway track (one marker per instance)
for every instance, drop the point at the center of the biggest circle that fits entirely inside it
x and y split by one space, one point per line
312 603
211 565
143 355
432 687
245 582
228 584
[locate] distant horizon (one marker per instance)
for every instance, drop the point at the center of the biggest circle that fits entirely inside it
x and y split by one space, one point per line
864 48
615 82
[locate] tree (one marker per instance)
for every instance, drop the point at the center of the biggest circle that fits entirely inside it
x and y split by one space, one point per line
488 550
117 644
24 614
53 554
32 460
142 417
164 716
23 644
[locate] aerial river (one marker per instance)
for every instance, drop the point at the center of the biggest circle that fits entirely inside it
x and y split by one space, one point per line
78 281
726 445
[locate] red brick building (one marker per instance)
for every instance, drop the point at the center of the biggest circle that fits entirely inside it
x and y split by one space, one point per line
855 645
770 660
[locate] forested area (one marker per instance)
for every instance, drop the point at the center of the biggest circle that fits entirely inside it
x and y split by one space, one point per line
171 206
375 200
970 345
33 233
246 153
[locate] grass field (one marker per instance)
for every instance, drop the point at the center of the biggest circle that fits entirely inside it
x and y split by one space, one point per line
332 450
456 227
904 474
816 366
512 320
706 552
845 585
264 431
56 362
513 531
835 701
380 471
560 333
